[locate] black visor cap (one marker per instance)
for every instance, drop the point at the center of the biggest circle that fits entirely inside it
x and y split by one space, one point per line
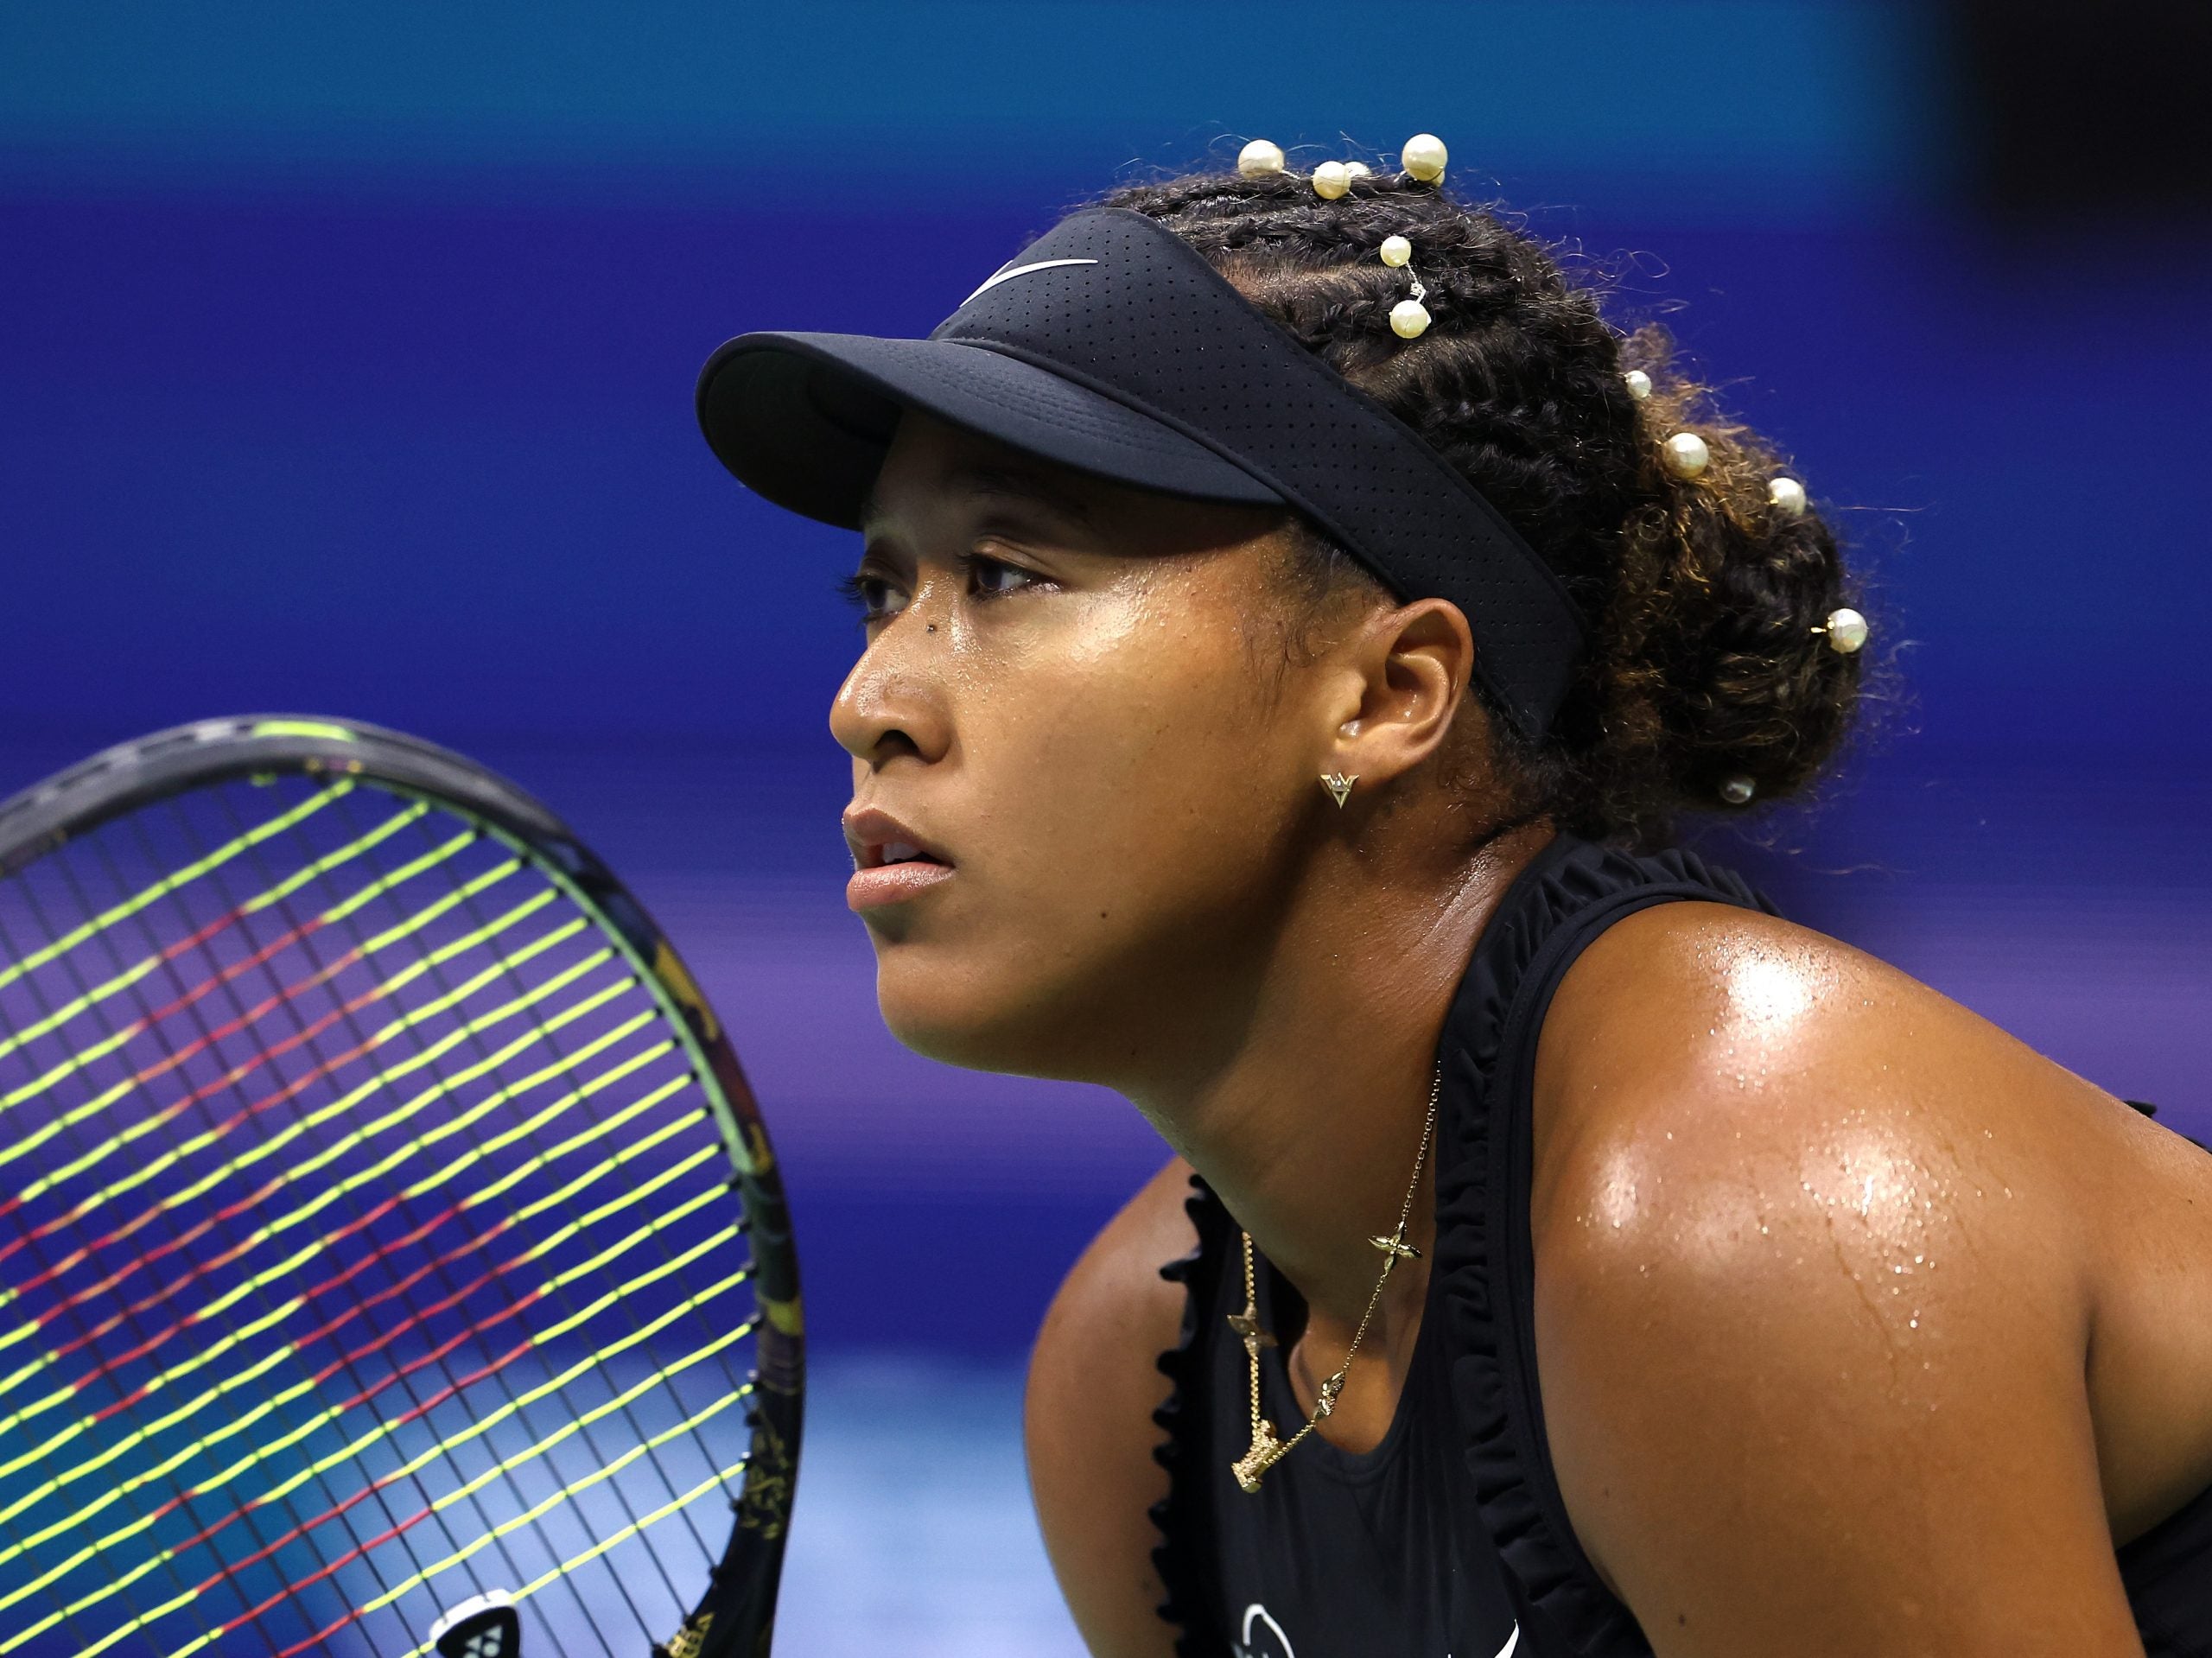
1110 346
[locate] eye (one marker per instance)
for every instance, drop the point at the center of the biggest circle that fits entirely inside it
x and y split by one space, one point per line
993 578
878 597
875 597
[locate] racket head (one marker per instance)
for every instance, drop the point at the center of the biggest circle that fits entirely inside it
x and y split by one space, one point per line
385 1221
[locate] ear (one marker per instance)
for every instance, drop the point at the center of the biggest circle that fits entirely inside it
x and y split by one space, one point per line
1397 683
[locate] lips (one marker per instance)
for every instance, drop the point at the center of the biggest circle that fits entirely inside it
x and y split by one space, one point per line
878 839
893 862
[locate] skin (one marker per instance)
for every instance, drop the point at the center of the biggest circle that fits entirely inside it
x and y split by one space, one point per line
1861 1328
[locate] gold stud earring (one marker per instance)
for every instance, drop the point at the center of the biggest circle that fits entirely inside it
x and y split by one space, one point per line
1338 784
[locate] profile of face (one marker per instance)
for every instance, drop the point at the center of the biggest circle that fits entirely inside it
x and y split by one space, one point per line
1061 697
1075 695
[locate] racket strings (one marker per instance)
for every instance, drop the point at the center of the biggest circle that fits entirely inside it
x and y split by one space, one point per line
262 1057
75 1062
276 1408
658 1232
362 1549
450 995
22 965
113 914
67 1612
558 1045
346 916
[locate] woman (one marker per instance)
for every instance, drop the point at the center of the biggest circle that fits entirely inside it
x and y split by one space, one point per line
1296 621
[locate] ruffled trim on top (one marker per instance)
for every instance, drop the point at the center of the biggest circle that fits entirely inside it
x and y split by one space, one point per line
1560 902
1180 1516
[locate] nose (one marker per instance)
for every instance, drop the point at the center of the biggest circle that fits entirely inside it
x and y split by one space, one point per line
894 703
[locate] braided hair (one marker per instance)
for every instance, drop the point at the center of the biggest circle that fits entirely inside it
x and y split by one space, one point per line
1703 598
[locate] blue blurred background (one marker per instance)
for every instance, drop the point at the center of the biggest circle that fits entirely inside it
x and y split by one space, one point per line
346 359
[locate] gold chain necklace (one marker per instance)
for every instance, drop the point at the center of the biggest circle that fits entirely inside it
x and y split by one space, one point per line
1266 1449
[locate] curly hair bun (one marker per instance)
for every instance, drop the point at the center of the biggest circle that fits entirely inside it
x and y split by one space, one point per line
1715 660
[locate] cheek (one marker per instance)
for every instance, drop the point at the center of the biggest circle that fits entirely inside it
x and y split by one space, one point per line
1124 778
1123 806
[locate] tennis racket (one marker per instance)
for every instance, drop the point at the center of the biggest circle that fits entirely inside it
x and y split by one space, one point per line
392 1260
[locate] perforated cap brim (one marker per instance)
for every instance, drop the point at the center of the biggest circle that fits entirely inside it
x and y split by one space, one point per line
804 419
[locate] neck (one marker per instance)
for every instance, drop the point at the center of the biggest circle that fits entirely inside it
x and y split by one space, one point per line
1308 1123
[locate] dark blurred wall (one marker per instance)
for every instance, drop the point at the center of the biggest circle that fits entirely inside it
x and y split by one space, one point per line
346 360
2082 113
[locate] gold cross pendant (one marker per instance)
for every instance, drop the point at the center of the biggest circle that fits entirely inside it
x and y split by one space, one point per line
1267 1450
1397 1248
1247 1326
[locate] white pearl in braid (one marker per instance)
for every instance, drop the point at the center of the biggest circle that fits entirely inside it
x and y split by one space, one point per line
1409 318
1424 156
1846 630
1686 454
1259 158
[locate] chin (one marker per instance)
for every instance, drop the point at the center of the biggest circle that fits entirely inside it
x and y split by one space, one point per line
956 1019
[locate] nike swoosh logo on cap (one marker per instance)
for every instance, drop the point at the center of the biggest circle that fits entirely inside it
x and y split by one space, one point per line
1023 270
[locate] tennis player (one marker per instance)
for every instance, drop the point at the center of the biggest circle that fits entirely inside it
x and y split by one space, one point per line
1296 625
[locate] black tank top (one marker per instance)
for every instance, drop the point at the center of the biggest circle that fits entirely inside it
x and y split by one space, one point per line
1450 1539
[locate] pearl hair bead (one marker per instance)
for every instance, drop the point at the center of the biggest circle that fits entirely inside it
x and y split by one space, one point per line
1639 383
1687 456
1846 630
1396 251
1259 158
1331 180
1424 156
1358 171
1738 790
1410 319
1788 496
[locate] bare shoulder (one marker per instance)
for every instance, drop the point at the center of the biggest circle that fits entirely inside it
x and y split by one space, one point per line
1094 1383
1822 1260
1780 1055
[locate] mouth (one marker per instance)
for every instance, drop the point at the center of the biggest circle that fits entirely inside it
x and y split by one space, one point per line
896 852
892 864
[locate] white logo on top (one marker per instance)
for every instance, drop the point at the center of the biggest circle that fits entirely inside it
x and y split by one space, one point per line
1256 1613
1023 270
